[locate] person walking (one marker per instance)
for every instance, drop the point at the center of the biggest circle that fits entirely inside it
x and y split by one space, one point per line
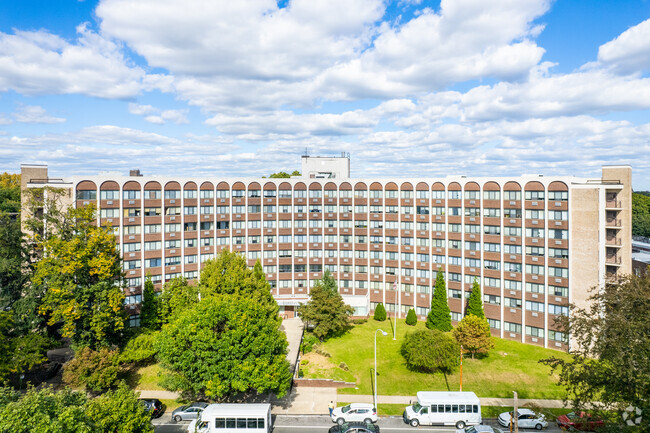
331 407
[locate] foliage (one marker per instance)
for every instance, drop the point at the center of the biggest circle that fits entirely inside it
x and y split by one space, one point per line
9 193
5 344
610 354
149 316
19 353
283 175
475 302
119 411
222 346
411 318
177 295
325 310
81 274
308 343
380 313
14 263
473 334
140 349
44 411
229 274
95 370
440 315
640 215
430 351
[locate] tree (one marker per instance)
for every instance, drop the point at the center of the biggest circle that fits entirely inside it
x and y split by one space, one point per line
473 334
411 318
229 274
119 411
430 351
380 313
141 348
222 346
610 350
325 309
149 317
94 370
284 175
475 302
177 295
641 214
440 315
81 274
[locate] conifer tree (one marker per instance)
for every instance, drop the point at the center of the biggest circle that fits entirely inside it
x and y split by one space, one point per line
149 310
475 303
440 315
380 313
411 318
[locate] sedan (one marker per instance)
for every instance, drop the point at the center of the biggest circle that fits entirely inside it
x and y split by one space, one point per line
355 427
526 418
153 406
355 412
580 421
191 411
480 429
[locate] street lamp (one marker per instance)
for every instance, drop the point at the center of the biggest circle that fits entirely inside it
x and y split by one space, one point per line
384 334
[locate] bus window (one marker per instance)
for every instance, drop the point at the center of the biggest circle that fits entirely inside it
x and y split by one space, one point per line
219 423
461 408
475 408
454 408
434 408
241 422
441 408
251 422
447 408
230 422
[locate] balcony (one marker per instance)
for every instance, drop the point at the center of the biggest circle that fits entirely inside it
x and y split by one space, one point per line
613 260
613 222
613 241
613 204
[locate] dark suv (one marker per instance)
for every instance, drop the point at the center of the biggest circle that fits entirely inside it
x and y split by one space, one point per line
153 406
355 427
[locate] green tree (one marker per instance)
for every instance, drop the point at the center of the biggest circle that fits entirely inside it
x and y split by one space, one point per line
149 316
430 351
224 345
475 302
94 370
640 215
10 193
229 274
380 313
177 295
610 350
119 411
325 310
44 411
440 315
411 318
284 175
141 348
473 334
82 277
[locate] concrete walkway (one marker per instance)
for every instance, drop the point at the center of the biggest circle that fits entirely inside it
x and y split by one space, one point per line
293 329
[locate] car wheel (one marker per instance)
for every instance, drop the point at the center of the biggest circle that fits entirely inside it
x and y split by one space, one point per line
340 421
415 422
367 421
460 425
178 418
538 426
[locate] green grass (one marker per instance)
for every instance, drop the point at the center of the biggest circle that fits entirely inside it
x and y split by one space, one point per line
144 377
511 366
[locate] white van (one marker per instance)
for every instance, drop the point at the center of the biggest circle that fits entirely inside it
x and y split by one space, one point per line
444 408
233 418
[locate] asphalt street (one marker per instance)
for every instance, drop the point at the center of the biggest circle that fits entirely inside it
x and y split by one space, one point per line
320 424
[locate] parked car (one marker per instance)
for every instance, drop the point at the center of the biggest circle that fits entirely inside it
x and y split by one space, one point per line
188 412
355 427
480 429
580 421
355 412
526 418
153 406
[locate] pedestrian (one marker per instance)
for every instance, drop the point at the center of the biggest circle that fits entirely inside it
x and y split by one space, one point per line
331 407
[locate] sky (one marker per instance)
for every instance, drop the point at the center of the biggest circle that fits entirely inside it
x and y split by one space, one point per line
408 88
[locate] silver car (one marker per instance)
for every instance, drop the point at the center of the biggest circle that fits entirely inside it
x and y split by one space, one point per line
364 412
191 411
479 429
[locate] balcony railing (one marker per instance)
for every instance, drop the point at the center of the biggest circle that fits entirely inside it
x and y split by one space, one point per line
613 204
613 260
613 241
613 222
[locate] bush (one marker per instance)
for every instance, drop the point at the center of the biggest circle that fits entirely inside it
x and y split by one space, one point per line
430 351
411 318
140 348
322 352
344 366
380 313
94 370
308 343
359 321
473 334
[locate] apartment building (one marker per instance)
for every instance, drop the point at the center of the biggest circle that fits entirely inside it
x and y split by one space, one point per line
535 243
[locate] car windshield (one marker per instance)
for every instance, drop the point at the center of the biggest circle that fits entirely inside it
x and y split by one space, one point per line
470 430
417 407
345 408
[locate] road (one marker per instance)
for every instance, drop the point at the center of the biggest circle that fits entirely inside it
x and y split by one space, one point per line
320 424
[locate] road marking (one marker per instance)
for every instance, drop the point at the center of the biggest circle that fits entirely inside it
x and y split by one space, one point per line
382 428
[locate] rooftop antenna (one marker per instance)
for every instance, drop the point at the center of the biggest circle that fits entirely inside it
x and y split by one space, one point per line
306 151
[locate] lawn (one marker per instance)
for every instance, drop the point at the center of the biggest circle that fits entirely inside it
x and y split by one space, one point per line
144 377
511 366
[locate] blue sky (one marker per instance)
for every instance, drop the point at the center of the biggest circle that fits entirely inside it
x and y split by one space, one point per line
409 87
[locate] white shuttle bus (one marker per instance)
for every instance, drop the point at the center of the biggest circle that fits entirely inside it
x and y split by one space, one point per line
233 418
444 408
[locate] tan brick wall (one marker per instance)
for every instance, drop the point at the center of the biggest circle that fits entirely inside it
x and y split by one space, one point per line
623 174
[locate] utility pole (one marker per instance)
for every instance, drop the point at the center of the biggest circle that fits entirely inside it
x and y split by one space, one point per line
461 368
514 420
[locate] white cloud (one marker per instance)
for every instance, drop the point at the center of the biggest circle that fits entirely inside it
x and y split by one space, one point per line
38 62
630 51
141 110
34 114
4 120
157 116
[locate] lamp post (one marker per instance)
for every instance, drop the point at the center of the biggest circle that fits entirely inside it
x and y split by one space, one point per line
384 334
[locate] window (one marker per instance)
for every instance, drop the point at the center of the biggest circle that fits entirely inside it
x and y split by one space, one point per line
472 195
511 195
109 213
472 246
558 234
491 212
534 214
534 233
494 324
512 267
172 194
472 263
109 195
189 227
492 230
206 193
492 299
454 211
269 208
473 228
512 213
491 195
189 210
454 195
558 272
170 228
534 288
472 211
558 310
512 249
131 264
535 251
189 193
558 253
494 248
535 332
558 195
152 263
492 264
534 195
558 291
513 302
173 210
132 247
491 282
512 231
152 228
152 245
557 336
538 307
512 327
512 285
87 195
